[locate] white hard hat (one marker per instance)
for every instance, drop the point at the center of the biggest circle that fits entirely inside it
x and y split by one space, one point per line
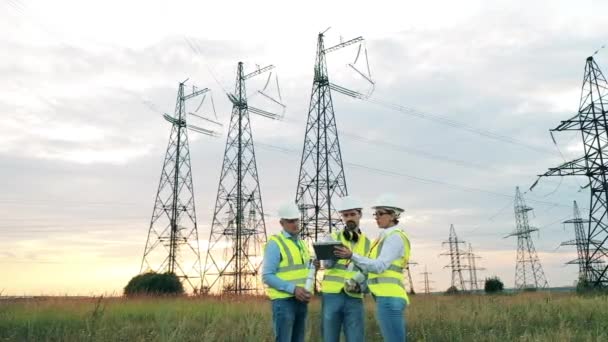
348 203
388 201
289 211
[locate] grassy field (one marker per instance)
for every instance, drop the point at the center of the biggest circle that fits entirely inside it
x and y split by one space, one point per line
522 317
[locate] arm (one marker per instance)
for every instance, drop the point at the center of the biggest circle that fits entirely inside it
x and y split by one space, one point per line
391 251
272 258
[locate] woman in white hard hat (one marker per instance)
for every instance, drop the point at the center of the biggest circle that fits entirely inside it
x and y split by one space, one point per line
384 265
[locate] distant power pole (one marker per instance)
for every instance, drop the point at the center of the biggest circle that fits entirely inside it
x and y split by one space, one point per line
427 287
408 276
585 264
528 271
473 282
456 255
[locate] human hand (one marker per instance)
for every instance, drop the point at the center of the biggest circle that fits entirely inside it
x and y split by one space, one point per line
342 252
301 294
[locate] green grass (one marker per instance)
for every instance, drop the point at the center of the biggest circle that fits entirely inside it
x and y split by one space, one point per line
523 317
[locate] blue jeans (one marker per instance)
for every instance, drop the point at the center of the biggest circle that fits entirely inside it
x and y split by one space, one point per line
342 312
289 319
390 316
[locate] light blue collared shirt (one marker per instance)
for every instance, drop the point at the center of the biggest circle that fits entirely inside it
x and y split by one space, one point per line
272 259
392 250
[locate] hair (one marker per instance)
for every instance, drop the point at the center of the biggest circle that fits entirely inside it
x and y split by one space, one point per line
393 212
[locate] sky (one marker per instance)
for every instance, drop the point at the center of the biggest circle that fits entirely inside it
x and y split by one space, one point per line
82 138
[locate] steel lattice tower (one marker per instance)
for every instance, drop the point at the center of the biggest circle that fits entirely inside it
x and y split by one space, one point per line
591 121
427 287
321 170
528 271
472 267
238 230
408 276
585 265
456 255
172 244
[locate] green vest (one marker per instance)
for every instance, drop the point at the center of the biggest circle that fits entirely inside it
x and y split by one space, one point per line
334 277
293 266
390 282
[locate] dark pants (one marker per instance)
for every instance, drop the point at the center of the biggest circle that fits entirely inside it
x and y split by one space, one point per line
289 319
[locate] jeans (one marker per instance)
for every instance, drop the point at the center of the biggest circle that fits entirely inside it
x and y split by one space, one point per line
343 312
390 316
289 319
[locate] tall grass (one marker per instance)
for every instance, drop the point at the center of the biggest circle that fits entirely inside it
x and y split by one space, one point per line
522 317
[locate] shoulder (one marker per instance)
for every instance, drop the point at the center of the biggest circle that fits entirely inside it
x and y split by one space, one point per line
405 239
397 237
272 243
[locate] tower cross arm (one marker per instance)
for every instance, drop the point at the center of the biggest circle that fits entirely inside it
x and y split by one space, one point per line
572 124
258 71
196 93
572 168
345 44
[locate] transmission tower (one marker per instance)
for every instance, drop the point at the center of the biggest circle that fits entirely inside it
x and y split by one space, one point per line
456 256
528 271
238 230
427 287
586 267
321 175
408 276
472 267
591 121
172 243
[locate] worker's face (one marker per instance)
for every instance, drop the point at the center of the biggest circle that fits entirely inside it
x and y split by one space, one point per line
351 218
291 226
384 218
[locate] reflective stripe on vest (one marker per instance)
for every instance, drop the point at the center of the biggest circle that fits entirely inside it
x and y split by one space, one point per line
390 282
293 266
334 277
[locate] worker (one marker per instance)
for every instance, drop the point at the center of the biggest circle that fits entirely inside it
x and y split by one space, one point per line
342 308
384 264
284 271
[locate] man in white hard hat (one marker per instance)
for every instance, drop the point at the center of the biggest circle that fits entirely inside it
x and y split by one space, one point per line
284 271
342 306
384 264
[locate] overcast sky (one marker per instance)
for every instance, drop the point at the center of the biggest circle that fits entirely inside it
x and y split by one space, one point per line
82 138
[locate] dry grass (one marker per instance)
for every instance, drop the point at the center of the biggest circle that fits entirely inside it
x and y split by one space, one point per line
523 317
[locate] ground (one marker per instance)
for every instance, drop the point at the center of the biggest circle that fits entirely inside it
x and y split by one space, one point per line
522 317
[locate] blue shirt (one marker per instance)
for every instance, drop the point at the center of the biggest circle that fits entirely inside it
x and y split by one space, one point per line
392 249
272 259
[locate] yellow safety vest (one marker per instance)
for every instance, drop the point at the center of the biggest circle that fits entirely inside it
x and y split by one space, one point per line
390 282
293 266
334 277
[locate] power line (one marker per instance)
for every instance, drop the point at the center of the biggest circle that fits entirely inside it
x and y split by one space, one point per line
443 120
293 153
416 152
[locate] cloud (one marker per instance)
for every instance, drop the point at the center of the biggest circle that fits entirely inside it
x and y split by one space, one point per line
82 138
